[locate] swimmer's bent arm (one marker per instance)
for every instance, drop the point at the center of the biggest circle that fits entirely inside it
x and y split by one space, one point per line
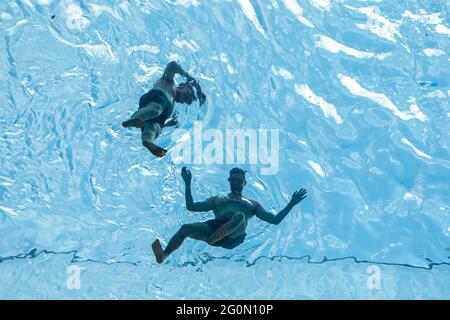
171 69
208 204
271 218
276 219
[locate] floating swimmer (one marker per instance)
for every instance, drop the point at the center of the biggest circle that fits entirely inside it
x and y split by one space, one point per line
232 213
157 105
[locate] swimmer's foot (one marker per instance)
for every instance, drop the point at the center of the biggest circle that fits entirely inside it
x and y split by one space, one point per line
218 235
158 251
156 150
137 123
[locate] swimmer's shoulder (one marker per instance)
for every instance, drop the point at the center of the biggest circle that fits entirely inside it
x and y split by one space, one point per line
256 204
215 199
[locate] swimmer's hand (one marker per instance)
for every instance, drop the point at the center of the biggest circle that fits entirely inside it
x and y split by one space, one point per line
186 175
173 122
297 197
188 77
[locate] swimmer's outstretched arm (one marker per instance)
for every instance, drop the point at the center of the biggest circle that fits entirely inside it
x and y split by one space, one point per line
171 69
276 219
206 205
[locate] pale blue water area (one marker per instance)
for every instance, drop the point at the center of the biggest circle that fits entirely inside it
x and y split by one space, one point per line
359 90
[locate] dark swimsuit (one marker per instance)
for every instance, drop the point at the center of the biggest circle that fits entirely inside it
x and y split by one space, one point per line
157 95
227 242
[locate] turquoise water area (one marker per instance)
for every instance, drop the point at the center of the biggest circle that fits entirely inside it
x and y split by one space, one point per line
359 91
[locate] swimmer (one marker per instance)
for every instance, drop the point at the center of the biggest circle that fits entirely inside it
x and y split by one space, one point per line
232 213
157 105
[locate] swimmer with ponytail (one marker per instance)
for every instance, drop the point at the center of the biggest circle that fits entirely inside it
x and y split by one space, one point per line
157 106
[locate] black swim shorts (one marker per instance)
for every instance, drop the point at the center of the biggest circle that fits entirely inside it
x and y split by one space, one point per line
227 242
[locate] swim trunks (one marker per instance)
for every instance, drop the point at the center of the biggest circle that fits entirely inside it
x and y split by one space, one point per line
227 242
159 96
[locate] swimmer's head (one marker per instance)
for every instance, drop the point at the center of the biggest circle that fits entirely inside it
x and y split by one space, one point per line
184 93
237 180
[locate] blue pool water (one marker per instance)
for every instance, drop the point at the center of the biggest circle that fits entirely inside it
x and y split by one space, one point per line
358 89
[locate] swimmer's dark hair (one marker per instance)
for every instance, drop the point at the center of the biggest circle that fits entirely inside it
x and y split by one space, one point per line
238 171
191 89
198 93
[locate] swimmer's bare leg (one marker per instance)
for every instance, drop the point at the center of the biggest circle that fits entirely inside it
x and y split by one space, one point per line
197 231
150 111
136 123
238 220
150 132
